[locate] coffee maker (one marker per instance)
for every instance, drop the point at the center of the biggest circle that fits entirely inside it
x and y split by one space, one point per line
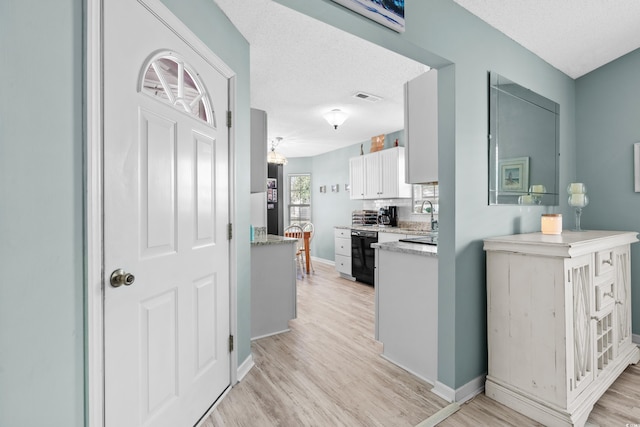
388 216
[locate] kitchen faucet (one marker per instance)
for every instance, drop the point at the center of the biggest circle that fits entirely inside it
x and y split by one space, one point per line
434 223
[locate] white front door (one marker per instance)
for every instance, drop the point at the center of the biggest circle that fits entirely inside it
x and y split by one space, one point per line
166 210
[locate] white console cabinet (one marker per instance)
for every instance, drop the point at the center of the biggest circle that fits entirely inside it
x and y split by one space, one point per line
558 321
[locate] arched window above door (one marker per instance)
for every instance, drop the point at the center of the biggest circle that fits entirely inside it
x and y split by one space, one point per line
170 79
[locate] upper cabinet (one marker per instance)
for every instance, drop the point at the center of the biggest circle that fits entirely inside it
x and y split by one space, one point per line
379 175
421 128
356 177
258 151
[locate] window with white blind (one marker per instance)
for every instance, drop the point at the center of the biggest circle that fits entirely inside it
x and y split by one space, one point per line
299 199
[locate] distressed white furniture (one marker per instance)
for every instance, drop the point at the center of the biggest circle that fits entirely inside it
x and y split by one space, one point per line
342 239
558 321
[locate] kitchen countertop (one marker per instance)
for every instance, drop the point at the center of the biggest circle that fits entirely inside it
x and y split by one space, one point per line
396 230
408 248
272 239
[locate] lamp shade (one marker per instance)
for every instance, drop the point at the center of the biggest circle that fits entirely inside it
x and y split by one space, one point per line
336 117
276 158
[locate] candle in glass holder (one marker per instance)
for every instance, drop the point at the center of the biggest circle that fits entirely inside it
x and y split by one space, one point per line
539 189
551 223
527 199
577 188
578 200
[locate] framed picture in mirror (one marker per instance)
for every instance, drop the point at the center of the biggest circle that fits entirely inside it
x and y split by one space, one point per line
514 175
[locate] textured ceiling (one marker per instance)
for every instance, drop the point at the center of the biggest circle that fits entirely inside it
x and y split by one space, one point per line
575 36
302 68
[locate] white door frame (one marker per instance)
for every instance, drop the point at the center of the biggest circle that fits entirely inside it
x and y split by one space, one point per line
94 337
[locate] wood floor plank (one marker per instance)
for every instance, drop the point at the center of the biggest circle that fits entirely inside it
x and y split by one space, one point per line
327 371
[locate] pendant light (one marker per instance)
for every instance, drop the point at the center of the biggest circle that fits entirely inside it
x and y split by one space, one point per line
275 157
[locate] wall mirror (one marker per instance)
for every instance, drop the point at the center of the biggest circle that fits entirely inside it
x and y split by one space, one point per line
523 145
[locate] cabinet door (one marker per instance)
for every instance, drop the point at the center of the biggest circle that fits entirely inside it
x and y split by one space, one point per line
372 176
622 295
388 162
579 294
356 177
258 151
421 128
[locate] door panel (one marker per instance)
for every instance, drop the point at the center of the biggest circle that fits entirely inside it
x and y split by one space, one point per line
157 183
166 208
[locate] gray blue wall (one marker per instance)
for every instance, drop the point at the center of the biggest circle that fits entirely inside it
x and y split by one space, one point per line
607 117
42 254
443 35
41 214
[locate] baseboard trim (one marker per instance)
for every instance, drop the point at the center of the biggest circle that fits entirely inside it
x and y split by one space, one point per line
636 339
245 367
323 261
270 334
461 394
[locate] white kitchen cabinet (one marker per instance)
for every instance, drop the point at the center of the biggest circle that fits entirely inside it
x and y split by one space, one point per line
356 177
258 151
558 321
381 175
421 128
342 239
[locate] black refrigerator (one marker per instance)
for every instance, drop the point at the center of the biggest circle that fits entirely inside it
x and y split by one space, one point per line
275 199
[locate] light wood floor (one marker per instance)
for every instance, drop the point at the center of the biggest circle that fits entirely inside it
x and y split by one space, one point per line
327 371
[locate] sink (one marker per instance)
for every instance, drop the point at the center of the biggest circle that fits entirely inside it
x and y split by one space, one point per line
423 240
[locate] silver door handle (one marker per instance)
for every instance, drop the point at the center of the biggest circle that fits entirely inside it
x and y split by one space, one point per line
119 277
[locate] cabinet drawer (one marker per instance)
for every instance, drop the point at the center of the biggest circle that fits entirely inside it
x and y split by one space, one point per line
343 264
604 295
604 262
342 232
343 247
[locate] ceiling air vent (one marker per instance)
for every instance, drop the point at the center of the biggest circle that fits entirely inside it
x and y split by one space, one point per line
367 97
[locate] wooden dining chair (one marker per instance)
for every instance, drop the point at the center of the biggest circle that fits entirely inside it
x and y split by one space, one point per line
296 232
308 227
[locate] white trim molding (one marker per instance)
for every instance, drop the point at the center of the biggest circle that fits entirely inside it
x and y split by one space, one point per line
245 367
636 339
461 394
323 261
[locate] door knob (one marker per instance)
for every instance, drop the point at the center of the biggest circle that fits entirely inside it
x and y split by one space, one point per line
119 277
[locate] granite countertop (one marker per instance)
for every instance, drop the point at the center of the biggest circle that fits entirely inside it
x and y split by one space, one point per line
397 230
407 248
272 239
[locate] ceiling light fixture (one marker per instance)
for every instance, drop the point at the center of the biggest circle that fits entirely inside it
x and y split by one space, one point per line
336 117
275 157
